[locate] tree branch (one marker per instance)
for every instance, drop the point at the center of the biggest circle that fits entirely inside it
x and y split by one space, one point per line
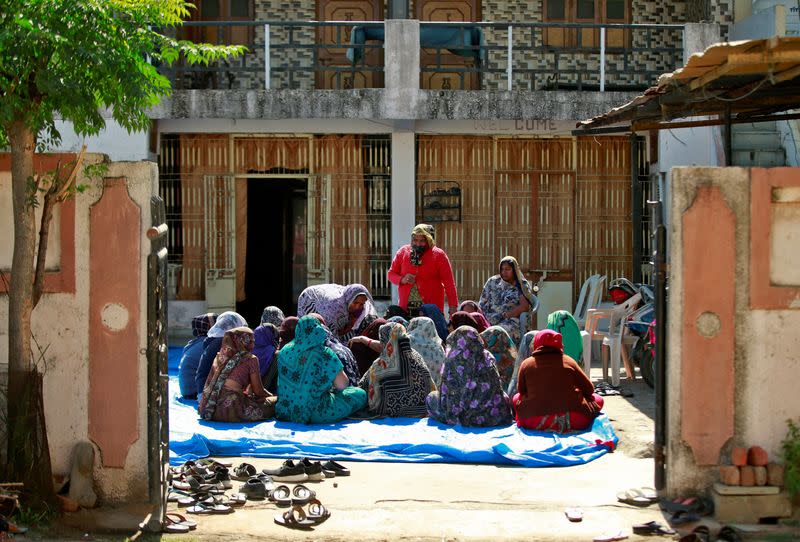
56 193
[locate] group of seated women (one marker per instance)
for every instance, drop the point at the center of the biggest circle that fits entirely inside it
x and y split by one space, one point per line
337 359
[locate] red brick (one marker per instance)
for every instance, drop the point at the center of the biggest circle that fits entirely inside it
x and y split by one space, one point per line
729 475
739 457
757 456
775 474
747 476
761 475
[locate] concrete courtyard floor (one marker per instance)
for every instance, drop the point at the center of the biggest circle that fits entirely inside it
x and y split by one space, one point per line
427 501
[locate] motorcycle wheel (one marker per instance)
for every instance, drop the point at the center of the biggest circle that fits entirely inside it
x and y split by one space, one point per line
647 367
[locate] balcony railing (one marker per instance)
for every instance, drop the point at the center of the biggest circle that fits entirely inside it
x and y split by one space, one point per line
461 56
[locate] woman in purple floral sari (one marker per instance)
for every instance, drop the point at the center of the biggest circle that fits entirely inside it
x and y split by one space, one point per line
470 393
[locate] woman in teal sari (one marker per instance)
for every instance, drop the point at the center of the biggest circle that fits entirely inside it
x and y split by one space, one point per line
313 386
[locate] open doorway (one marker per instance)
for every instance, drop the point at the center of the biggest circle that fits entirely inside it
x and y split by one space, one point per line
276 246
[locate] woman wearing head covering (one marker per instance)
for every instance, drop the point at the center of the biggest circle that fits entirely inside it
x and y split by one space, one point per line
272 315
563 322
398 381
422 272
190 358
266 345
235 370
502 348
554 393
286 331
344 354
433 312
470 393
425 341
461 318
398 320
313 386
365 347
347 310
395 310
470 306
480 319
225 321
525 349
506 296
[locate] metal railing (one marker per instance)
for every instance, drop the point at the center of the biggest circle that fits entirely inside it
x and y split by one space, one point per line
482 55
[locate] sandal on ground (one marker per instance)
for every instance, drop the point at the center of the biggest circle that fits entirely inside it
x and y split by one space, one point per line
682 517
206 508
652 527
237 499
281 495
729 534
700 505
294 518
699 534
244 472
637 496
254 489
179 519
611 536
302 495
574 514
317 511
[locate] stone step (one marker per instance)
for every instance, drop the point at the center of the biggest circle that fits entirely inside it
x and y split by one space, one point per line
751 508
759 158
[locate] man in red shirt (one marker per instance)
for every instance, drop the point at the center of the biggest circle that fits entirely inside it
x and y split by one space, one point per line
422 272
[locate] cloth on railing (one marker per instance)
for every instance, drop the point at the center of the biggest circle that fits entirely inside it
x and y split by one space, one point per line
467 41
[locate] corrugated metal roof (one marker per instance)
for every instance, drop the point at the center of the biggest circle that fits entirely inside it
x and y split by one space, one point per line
749 78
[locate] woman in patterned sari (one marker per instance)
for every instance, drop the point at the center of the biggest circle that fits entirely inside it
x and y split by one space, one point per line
502 348
345 355
470 393
347 310
398 381
313 387
506 296
235 369
524 352
426 342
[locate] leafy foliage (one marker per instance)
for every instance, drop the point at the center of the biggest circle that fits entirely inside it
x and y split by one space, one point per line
791 457
74 59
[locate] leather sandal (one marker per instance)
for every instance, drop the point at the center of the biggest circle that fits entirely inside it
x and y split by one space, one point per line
317 511
302 495
281 495
294 518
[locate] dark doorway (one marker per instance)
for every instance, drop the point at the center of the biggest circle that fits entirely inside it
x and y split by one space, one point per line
276 246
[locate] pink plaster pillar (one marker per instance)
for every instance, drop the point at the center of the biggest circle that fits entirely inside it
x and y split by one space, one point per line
114 309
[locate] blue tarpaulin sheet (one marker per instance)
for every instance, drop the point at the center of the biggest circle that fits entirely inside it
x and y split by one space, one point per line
388 439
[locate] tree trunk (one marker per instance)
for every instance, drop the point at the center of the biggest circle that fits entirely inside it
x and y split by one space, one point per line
28 453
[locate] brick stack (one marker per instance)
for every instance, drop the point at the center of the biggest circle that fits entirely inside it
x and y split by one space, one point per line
751 468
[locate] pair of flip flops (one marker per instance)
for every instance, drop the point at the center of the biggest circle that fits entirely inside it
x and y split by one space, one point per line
178 523
298 496
298 518
652 528
639 496
701 533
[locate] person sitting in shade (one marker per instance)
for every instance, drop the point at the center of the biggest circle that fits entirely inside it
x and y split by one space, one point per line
554 394
422 272
347 310
266 346
470 393
225 321
190 358
233 390
313 386
506 296
272 315
398 381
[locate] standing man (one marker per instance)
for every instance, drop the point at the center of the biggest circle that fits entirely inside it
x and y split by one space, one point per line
422 272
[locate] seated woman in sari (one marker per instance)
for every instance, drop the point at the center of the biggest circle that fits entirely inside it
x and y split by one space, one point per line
461 318
504 351
470 306
272 315
554 393
235 369
426 342
344 354
432 311
524 352
313 387
266 346
563 322
190 358
366 347
506 296
470 393
225 321
286 331
398 381
347 310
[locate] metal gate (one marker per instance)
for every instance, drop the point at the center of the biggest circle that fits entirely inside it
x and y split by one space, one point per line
157 372
220 217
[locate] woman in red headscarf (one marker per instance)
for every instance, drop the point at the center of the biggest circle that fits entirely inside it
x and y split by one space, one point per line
554 393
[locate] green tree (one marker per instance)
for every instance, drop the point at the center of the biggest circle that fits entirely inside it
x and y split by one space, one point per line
69 60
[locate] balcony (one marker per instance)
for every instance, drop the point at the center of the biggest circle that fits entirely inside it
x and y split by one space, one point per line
487 56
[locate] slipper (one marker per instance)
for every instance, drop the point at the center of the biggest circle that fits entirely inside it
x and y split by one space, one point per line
635 497
301 494
244 472
574 514
281 495
205 508
729 534
611 536
295 518
681 517
699 534
317 512
652 527
174 518
237 499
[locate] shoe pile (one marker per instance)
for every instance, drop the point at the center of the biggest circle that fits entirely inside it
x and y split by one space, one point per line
200 486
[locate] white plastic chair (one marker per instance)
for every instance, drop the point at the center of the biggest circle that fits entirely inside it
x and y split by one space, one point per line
612 335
